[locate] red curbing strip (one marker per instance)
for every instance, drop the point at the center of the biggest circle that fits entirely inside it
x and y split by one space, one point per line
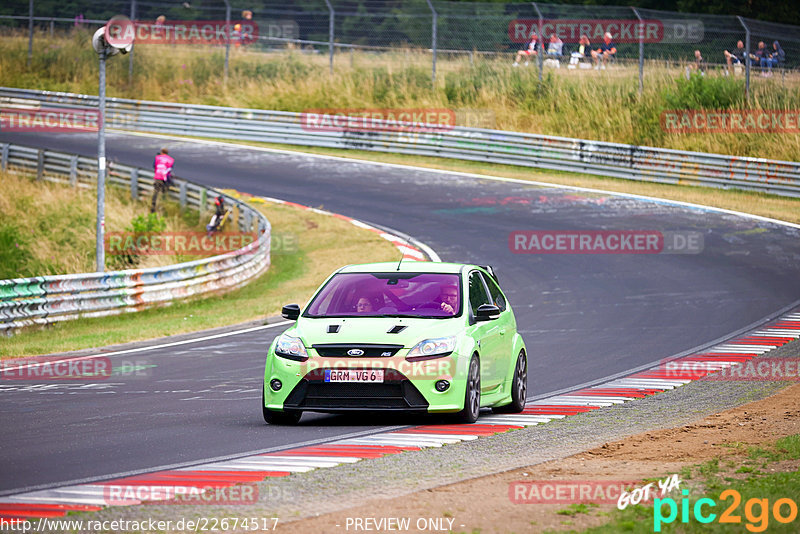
23 511
558 410
464 429
157 481
6 506
352 454
714 358
262 474
607 393
725 355
414 431
235 476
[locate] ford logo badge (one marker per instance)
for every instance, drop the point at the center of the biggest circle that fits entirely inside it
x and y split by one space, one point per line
355 352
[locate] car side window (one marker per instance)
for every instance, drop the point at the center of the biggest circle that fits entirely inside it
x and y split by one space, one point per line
477 292
494 290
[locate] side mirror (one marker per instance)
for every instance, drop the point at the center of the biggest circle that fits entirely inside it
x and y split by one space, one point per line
487 312
291 312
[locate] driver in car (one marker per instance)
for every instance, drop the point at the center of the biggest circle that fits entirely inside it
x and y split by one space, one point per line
448 299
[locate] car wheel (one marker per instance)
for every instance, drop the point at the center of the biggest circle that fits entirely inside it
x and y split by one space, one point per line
278 418
519 387
472 395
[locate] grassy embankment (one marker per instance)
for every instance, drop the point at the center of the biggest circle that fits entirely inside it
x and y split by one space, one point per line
600 105
306 248
49 228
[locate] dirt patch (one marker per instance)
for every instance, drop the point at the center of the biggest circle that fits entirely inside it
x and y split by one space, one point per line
483 504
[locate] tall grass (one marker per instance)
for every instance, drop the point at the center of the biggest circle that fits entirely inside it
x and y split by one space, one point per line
602 105
49 228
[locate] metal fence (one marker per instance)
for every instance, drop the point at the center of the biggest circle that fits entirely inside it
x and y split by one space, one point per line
473 144
481 31
49 299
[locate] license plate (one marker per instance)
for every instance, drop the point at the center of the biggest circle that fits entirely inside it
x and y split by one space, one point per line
352 375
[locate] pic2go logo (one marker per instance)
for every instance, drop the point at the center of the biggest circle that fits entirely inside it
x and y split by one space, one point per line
756 511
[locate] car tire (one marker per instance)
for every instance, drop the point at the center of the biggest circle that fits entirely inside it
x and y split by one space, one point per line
273 417
519 387
472 395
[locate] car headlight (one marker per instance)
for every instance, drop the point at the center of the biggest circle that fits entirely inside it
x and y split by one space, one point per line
432 348
291 347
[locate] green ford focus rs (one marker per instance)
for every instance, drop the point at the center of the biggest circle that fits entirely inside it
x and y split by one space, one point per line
414 337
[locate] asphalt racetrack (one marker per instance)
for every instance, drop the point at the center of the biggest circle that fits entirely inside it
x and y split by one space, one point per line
583 316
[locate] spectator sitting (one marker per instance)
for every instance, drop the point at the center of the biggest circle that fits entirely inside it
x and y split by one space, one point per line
584 52
531 50
734 58
776 58
762 54
606 52
554 51
699 63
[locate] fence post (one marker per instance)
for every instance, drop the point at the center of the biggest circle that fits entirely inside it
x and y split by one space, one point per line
40 165
52 27
434 38
641 49
130 56
227 36
747 59
134 184
331 17
540 40
30 32
182 195
73 171
4 157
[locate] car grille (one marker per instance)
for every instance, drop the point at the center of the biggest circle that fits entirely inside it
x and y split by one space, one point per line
339 350
396 393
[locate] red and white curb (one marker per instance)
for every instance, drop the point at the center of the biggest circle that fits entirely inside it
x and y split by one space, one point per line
409 251
92 497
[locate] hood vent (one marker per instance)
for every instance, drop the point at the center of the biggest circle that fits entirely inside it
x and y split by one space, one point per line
333 328
397 329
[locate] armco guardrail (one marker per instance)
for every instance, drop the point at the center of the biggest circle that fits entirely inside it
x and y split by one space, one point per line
475 144
50 299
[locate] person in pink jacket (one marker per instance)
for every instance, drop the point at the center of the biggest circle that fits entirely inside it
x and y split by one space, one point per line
162 175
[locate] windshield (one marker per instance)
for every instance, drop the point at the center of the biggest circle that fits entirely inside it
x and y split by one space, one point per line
388 295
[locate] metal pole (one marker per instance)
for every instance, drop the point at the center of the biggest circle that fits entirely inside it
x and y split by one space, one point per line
434 39
641 49
747 59
30 32
228 35
101 167
540 40
331 16
130 57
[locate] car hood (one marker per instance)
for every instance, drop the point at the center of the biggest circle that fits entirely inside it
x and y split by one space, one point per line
374 330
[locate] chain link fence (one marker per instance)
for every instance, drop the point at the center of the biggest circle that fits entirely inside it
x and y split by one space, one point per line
446 30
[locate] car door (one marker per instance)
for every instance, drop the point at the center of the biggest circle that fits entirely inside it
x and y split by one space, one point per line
506 323
486 333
